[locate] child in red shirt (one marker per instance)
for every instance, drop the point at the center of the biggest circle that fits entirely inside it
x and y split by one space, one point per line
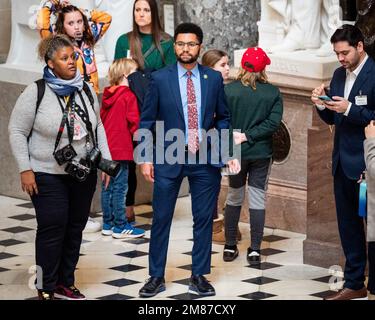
120 117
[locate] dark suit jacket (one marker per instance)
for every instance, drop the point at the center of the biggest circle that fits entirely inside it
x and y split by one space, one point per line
163 103
349 130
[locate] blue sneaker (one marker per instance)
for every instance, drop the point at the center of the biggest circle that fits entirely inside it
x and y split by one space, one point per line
128 231
107 229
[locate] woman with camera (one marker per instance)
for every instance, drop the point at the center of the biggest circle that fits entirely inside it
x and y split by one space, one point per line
58 141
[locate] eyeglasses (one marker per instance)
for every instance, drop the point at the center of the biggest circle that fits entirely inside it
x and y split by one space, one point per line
191 45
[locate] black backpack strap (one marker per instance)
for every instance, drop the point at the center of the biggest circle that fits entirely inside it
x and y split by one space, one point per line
88 93
41 88
41 84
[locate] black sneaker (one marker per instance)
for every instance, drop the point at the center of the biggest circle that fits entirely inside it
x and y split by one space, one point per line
68 293
200 285
230 253
152 287
253 256
45 295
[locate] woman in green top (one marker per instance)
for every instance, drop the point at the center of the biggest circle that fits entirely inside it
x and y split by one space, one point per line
152 49
147 43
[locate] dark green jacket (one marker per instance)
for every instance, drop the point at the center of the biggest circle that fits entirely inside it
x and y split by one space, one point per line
154 60
257 113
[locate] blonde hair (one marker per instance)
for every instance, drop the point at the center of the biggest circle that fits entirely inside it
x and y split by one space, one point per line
249 79
119 68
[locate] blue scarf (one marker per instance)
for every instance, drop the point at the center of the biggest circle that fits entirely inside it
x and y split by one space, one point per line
60 86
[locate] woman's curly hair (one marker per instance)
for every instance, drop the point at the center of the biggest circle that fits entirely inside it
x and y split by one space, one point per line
48 46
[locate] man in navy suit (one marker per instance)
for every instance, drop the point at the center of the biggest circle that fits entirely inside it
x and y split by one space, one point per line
352 107
188 97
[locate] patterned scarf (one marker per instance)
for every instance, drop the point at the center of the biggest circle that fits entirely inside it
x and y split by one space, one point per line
60 86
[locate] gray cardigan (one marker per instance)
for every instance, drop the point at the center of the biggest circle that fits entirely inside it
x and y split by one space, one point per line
36 154
369 147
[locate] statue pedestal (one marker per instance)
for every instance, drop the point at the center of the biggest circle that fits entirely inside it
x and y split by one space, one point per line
300 193
300 64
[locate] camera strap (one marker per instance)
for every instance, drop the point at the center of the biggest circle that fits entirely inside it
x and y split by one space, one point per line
67 119
84 115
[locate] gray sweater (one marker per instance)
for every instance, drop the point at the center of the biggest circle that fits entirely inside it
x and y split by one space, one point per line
369 146
37 153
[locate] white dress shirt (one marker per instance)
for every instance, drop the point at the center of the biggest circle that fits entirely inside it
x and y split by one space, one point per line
351 77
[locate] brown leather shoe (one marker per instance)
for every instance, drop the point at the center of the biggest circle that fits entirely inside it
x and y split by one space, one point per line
349 294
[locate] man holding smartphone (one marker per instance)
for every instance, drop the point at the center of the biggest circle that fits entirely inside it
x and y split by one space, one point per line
351 108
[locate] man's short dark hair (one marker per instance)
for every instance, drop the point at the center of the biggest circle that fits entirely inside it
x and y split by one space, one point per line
188 27
349 33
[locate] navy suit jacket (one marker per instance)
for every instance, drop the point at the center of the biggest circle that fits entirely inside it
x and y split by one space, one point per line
163 103
349 130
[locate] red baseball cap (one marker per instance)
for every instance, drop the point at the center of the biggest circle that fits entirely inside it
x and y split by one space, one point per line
255 60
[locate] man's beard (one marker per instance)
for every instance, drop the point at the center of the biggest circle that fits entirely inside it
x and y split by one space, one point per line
191 60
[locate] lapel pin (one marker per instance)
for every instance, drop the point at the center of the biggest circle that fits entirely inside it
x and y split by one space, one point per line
205 76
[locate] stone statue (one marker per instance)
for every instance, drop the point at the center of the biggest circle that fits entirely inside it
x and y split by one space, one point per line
366 22
298 24
122 22
25 37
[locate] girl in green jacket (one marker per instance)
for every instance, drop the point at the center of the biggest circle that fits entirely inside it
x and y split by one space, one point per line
256 110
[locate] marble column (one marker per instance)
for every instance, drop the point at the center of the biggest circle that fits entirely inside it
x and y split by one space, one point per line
322 246
227 24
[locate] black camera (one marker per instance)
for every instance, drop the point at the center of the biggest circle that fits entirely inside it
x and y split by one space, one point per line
78 170
110 167
94 156
65 154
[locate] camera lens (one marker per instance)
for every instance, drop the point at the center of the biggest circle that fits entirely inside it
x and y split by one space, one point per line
68 154
81 175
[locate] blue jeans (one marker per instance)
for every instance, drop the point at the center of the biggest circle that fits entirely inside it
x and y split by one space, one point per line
113 198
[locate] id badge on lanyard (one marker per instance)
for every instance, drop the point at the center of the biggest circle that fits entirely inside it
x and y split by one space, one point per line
361 100
79 131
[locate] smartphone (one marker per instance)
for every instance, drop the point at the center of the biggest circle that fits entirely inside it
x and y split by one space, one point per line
324 98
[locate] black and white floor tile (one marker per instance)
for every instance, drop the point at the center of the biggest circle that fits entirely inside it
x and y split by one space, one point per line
111 269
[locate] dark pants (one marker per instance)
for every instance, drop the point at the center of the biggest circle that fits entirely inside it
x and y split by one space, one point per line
351 229
132 184
62 208
256 173
204 181
371 267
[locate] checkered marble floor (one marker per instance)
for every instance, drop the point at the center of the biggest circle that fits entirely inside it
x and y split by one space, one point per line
116 269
